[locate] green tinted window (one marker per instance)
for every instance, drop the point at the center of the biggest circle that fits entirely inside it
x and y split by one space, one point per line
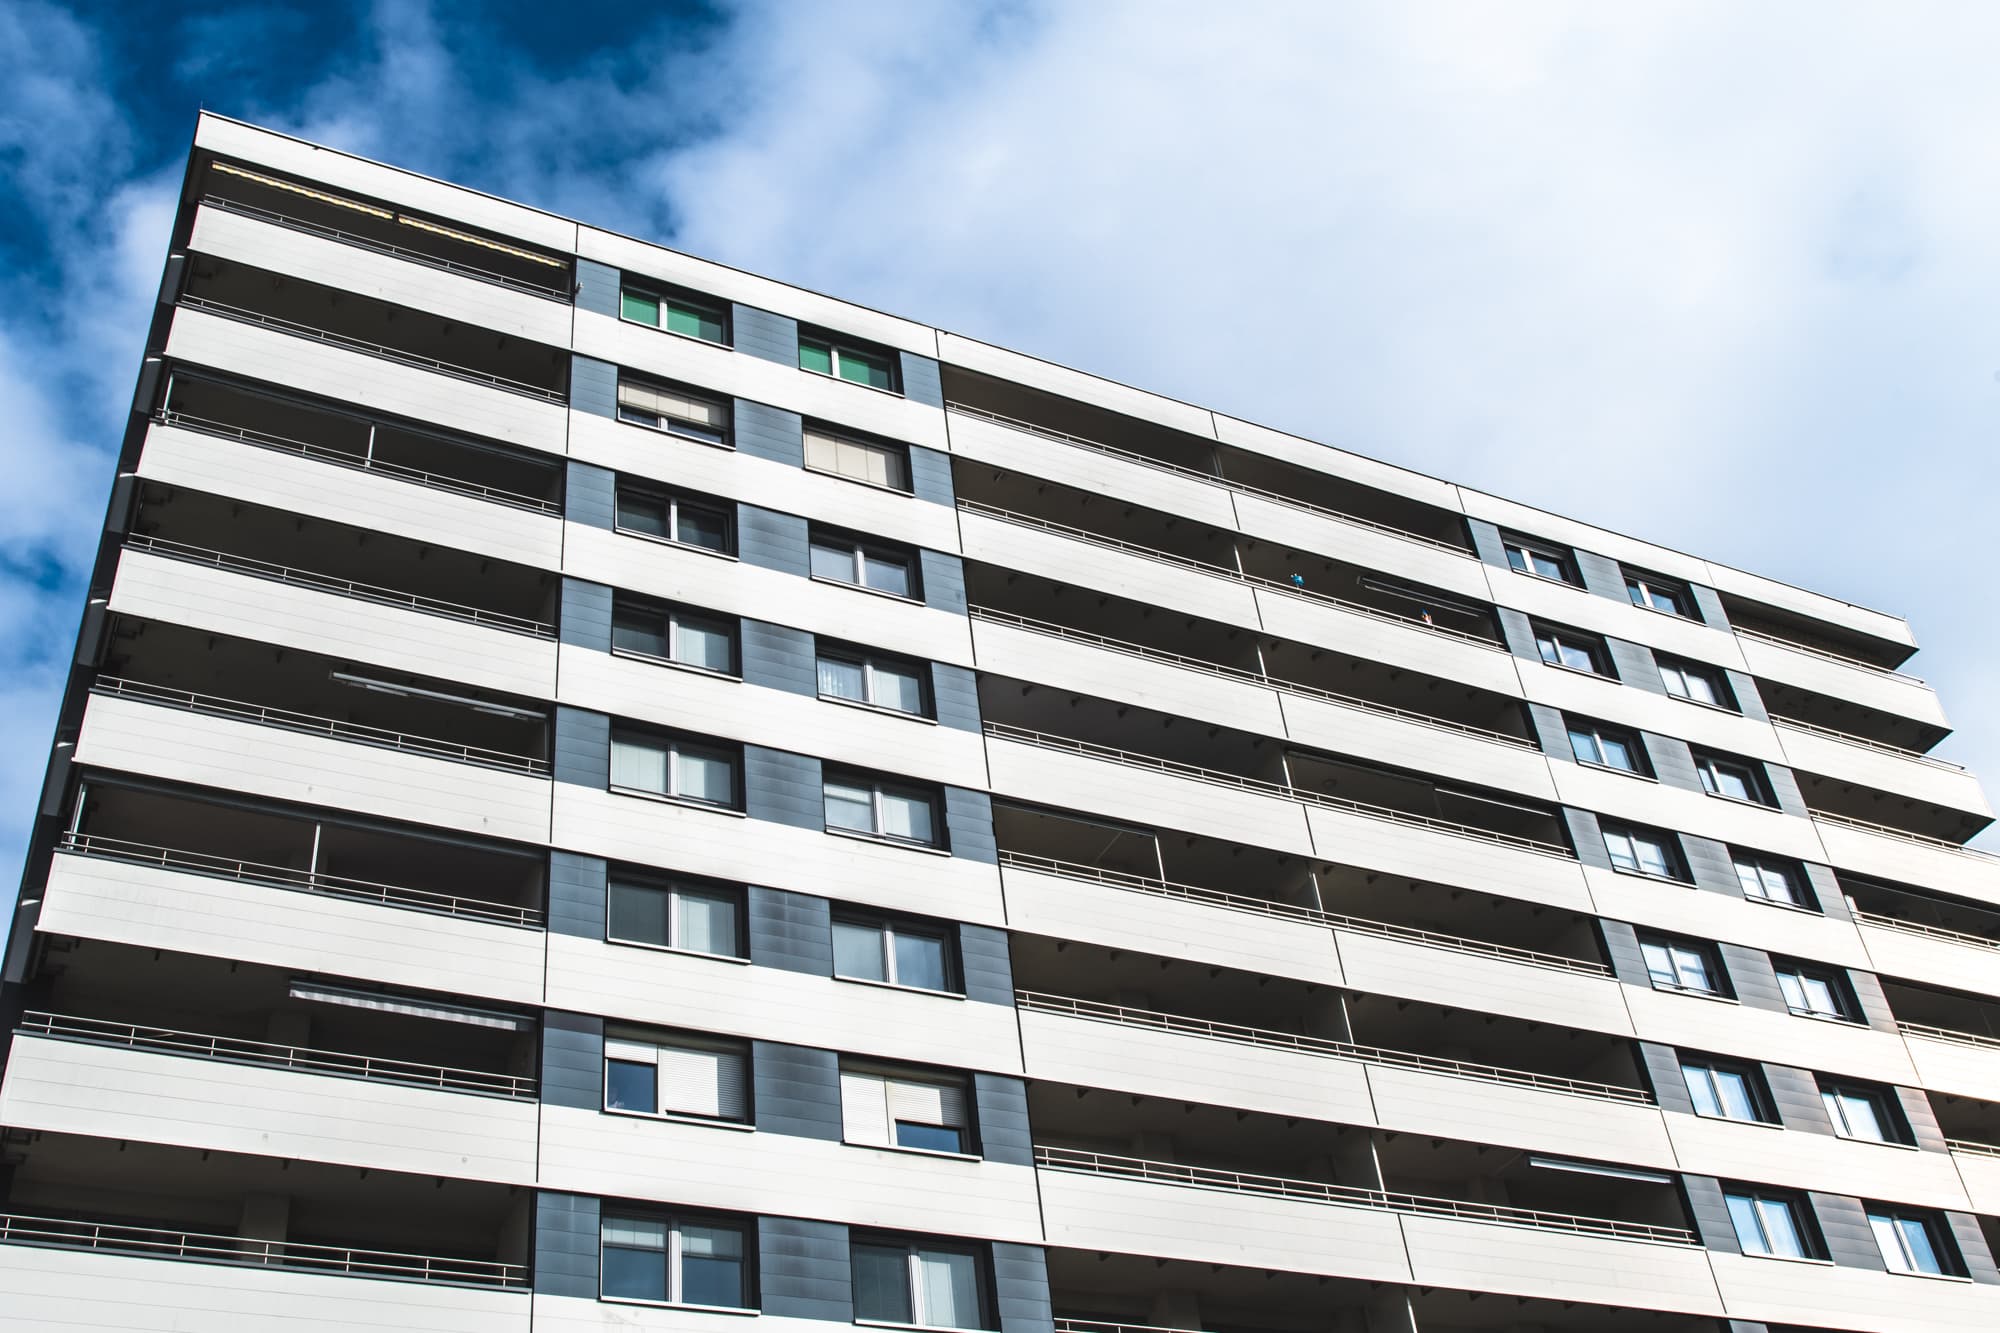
815 356
864 368
693 320
639 306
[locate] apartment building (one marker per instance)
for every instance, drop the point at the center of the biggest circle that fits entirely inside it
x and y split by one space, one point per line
600 791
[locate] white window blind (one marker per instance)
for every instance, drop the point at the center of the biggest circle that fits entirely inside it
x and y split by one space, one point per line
670 403
638 765
882 465
871 1103
695 1078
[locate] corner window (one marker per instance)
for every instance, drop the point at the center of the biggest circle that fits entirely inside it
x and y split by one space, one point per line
885 1107
1817 992
1912 1241
1658 594
694 918
674 411
1765 879
824 355
674 313
881 809
1569 648
674 634
1540 559
865 678
1682 965
864 564
876 463
676 518
1736 779
896 953
1696 684
1770 1224
1606 746
675 1261
1726 1091
918 1282
1861 1112
690 1076
1643 851
674 766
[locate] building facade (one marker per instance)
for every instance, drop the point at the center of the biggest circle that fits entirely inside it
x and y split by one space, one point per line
600 791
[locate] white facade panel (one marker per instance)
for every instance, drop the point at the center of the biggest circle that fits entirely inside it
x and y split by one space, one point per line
1532 522
1103 569
1801 1159
1891 771
1095 471
576 1314
1702 1023
1864 1300
1350 729
1607 699
1568 604
1905 696
1336 462
1964 1068
1410 970
1685 910
1558 1265
1980 1173
1968 872
1422 1101
1933 959
1442 857
1641 800
1396 642
1066 383
1361 543
1817 605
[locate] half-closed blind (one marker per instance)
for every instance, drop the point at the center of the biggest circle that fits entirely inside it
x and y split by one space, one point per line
881 464
666 402
873 1101
703 1079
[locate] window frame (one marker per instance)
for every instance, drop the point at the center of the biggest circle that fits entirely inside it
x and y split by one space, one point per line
1711 767
672 615
1671 856
886 929
673 1254
1513 544
674 502
674 743
1598 732
673 889
737 1049
913 1248
1937 1237
878 787
1642 588
895 449
1839 991
662 295
1793 875
1553 638
952 1082
664 422
870 661
1755 1095
1883 1105
1714 678
1805 1232
838 346
858 550
1704 953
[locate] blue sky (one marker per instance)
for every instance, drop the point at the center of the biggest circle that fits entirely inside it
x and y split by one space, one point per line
1719 276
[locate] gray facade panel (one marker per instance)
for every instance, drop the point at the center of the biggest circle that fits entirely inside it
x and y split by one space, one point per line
1663 1071
783 787
930 475
1587 837
1750 972
779 657
1002 1107
593 387
989 969
763 334
1824 892
591 496
968 822
1867 989
1708 605
772 540
793 931
943 581
1916 1105
1710 864
769 432
566 1245
583 747
1795 1097
576 895
597 287
586 615
1843 1225
1633 663
1672 761
1487 542
1744 688
955 692
803 1269
573 1060
922 382
1621 946
1021 1288
1972 1247
1785 789
1711 1214
1518 632
797 1090
1602 576
1551 731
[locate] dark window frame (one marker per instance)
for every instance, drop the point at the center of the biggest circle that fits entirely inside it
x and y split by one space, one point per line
1551 640
673 1220
909 1244
624 604
1642 586
1755 778
1672 853
1716 679
1805 1225
674 500
1514 544
880 785
839 345
674 740
672 885
886 924
1708 953
1633 743
859 550
1763 1110
869 659
660 293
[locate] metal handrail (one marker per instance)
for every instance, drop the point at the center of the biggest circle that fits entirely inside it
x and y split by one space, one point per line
139 1036
1849 738
327 454
1919 928
215 706
1127 1016
1221 572
292 223
1827 654
304 881
168 1243
1126 646
1952 1035
1968 1146
362 345
1047 741
1356 1196
367 592
1241 487
1887 831
1237 902
1063 1325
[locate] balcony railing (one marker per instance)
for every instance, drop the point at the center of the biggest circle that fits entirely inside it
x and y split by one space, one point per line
1849 738
1827 655
1241 488
1353 1196
366 348
1972 1149
367 592
340 458
1905 835
1222 572
1095 1011
302 881
1236 902
305 1059
312 725
1930 932
165 1243
1952 1035
1151 654
1047 741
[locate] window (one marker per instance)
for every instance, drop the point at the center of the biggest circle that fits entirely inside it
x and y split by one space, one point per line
673 411
1567 648
881 809
1736 779
863 460
1816 992
1681 965
872 366
896 953
1658 594
1606 747
691 1076
866 679
674 313
665 766
1642 851
846 560
1861 1112
1770 1224
1729 1092
902 1282
884 1108
1771 881
691 917
674 634
1697 684
1539 558
1911 1242
677 1261
676 518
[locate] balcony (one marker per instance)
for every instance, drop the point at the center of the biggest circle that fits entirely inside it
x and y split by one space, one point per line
1917 935
1864 849
1136 1293
1864 779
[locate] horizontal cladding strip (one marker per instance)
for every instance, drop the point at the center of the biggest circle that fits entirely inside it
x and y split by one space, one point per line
1968 873
221 1106
1800 1159
1903 696
376 501
340 373
1724 917
275 248
1442 858
1566 604
1938 959
1899 772
1962 1068
1980 1172
1518 1261
1863 1300
1607 700
1749 1032
1741 823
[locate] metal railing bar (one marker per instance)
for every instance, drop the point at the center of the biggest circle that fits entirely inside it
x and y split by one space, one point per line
139 1036
1919 928
1952 1035
368 592
1849 738
226 311
1905 835
1972 1148
1096 1011
292 878
1047 741
263 714
1827 654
